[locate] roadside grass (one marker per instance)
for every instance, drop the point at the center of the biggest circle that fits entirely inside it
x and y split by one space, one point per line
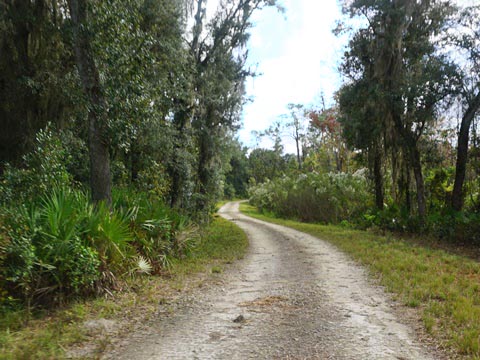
49 335
443 287
222 243
220 203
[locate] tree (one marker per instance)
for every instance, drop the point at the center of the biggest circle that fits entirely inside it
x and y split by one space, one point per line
265 165
297 113
213 105
360 116
274 132
325 134
100 178
363 130
415 79
237 172
467 43
36 82
412 77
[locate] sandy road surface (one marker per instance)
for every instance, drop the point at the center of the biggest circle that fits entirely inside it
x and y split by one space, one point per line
292 297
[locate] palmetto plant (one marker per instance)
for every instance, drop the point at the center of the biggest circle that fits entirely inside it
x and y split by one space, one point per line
63 245
59 217
61 263
109 233
143 266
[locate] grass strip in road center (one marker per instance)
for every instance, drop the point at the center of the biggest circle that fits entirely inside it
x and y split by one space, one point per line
443 287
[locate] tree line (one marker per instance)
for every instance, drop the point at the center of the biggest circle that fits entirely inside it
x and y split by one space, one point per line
147 89
406 113
403 81
118 123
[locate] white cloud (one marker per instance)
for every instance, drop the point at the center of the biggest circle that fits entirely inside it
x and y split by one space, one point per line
256 41
297 57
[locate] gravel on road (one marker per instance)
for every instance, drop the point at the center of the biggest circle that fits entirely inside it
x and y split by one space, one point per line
292 297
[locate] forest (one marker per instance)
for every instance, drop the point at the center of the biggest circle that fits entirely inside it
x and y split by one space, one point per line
399 148
118 134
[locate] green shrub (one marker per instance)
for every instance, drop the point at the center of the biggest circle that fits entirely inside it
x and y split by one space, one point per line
160 232
110 234
77 160
392 218
18 258
59 244
327 198
47 254
153 179
44 168
439 187
62 245
460 227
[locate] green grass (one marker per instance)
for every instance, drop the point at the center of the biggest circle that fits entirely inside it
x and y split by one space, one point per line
443 287
47 335
222 243
220 203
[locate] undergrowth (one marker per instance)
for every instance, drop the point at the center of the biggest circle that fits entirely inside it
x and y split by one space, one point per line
48 334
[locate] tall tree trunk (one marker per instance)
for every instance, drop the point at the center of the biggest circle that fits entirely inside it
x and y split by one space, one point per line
407 187
338 161
420 185
396 178
203 162
100 177
462 153
177 173
403 186
412 157
378 177
297 142
207 142
135 161
205 171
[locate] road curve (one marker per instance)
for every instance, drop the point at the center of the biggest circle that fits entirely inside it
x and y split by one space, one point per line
292 297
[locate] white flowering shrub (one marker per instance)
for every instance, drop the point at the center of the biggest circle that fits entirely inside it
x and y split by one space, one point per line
326 198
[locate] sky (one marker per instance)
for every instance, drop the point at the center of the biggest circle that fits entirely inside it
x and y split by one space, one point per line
297 56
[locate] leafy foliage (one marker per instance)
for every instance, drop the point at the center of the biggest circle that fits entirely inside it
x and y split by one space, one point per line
326 198
46 254
62 245
45 168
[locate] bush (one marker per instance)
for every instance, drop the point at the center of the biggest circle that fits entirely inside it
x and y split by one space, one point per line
62 245
460 227
392 218
45 168
160 233
326 198
153 180
54 243
47 253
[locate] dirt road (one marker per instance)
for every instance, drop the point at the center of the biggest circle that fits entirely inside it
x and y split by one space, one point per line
292 297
